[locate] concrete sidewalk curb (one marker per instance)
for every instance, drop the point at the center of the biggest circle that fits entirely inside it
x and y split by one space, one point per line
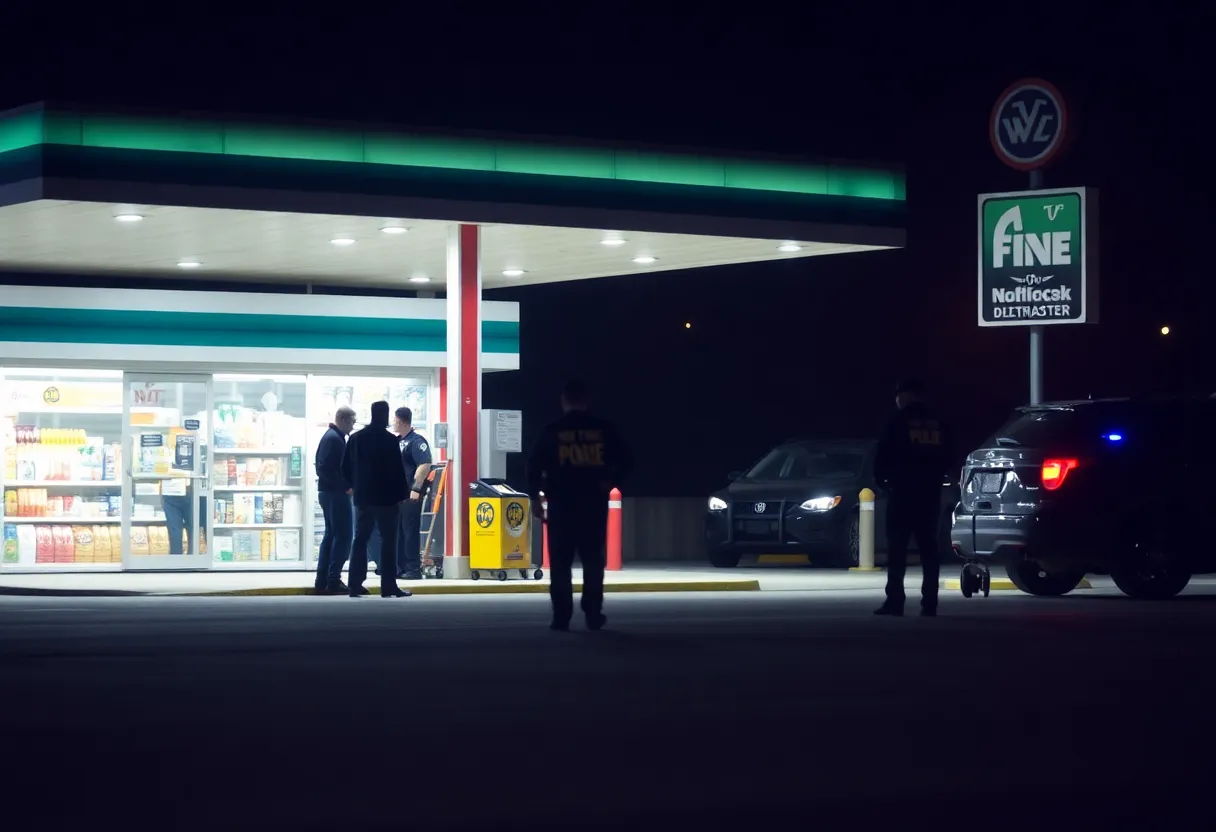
36 592
428 588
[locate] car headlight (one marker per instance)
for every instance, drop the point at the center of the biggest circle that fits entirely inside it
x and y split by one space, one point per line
717 504
820 504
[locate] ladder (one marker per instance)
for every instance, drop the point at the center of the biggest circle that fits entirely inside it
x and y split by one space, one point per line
431 525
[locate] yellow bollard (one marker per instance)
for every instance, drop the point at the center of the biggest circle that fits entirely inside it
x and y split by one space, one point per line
865 535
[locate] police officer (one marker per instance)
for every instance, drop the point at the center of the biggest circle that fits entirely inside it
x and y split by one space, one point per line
576 462
912 458
416 458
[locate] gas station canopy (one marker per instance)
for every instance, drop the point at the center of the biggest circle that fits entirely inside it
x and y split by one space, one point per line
114 196
191 196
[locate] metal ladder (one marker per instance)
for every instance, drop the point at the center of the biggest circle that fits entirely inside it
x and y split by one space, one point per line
432 514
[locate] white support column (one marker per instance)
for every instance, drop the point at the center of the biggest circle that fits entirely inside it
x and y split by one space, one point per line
464 387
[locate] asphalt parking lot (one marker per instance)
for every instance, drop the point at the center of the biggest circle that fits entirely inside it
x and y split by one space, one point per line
719 710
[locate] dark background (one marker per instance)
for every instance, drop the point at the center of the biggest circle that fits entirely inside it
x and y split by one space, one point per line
809 347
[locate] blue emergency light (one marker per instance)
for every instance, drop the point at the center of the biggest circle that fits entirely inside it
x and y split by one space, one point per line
1113 437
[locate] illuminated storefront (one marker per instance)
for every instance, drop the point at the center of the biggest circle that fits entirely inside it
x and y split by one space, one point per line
193 446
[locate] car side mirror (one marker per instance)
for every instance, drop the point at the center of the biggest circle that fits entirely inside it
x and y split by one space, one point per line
734 475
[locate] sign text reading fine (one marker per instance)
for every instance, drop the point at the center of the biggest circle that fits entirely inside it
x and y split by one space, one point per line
1032 267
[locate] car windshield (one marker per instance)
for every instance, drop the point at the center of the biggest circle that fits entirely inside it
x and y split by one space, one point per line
808 461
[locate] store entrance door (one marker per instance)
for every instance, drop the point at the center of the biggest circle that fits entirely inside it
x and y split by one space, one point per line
166 492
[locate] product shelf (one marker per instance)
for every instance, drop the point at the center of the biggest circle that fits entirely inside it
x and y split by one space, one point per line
258 488
63 484
258 526
67 521
252 451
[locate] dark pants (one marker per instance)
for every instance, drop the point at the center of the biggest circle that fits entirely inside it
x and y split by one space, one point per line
409 543
383 519
339 514
581 534
915 517
179 517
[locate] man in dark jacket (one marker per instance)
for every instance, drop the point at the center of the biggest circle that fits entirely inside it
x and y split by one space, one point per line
911 463
372 465
333 493
577 461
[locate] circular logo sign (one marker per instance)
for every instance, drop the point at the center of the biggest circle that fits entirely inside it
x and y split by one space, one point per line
51 395
485 515
1027 124
515 519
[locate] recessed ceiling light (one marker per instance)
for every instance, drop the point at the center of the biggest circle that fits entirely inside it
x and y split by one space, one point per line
394 229
188 264
129 217
513 272
789 247
420 279
613 241
342 241
645 259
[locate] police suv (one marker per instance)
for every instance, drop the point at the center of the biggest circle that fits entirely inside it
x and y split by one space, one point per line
1113 486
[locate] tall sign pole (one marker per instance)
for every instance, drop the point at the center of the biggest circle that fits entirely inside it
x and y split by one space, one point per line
1027 129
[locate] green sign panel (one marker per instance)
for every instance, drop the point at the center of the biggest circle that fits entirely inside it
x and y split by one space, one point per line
1037 258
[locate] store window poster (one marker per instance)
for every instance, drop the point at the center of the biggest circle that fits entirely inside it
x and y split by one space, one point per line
415 400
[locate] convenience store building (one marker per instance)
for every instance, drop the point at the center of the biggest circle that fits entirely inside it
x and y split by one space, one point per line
174 428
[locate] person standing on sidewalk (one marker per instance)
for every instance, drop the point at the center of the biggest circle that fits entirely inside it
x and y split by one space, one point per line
911 463
416 460
334 495
578 460
372 465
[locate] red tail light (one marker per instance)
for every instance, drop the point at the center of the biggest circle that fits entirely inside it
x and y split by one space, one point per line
1054 472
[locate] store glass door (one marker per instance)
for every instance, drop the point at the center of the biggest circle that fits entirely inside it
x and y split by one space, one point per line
166 464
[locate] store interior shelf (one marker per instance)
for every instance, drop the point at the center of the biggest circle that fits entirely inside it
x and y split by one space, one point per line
253 451
73 566
63 484
70 411
258 488
77 521
259 526
260 565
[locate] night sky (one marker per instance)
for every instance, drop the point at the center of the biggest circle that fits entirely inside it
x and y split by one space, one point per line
810 347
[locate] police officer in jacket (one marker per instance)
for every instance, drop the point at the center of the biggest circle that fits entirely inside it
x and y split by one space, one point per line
912 459
416 460
576 462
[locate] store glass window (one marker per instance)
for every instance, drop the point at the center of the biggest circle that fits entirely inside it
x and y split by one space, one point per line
327 394
61 442
167 467
259 446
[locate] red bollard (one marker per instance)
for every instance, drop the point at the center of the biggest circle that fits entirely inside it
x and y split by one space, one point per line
614 530
544 531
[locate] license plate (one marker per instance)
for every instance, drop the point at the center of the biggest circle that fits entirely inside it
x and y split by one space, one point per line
757 526
990 483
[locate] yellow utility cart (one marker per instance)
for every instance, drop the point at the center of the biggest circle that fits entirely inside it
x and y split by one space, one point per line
500 532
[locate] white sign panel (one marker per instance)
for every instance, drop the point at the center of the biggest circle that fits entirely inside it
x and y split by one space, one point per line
509 431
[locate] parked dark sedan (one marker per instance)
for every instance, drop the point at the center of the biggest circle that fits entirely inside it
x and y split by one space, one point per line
803 498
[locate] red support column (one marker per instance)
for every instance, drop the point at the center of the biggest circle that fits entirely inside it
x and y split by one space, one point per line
441 453
614 530
464 386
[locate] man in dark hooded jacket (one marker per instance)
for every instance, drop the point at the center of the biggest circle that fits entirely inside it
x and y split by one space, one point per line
912 461
372 465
